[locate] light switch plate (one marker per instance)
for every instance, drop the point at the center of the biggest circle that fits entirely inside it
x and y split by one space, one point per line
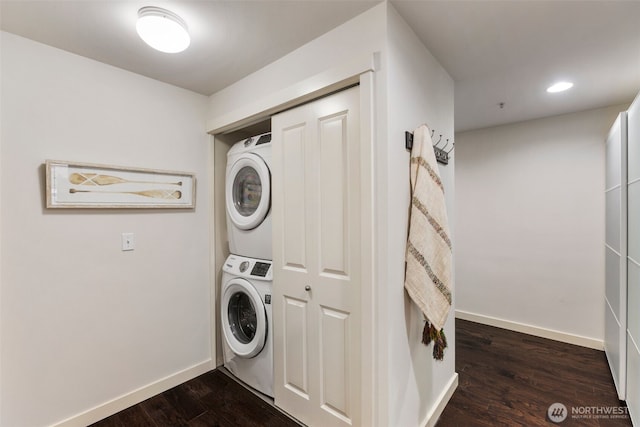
128 242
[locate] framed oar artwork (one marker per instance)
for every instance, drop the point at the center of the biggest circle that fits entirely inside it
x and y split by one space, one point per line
86 185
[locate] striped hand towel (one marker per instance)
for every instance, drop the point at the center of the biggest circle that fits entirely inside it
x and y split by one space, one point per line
428 256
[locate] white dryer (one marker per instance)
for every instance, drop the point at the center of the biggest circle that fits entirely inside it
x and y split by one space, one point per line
248 197
246 321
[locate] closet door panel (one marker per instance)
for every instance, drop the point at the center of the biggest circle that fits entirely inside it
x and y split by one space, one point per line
296 372
633 379
338 281
333 193
616 252
316 157
633 136
613 156
633 299
612 236
633 221
291 262
612 269
335 363
612 344
293 198
633 285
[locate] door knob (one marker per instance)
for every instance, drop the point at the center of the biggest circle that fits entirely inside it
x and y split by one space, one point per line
307 288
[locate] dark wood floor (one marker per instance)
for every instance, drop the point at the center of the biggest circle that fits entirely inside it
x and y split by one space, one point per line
505 379
510 379
210 400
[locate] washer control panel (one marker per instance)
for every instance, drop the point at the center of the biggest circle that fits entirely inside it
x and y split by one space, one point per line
261 269
250 268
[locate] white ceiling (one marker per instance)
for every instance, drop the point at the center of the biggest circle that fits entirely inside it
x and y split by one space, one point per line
496 51
511 51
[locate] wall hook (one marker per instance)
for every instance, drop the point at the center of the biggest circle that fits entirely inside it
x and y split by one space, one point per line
452 147
442 156
436 144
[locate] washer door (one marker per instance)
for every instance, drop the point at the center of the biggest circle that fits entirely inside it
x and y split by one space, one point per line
244 318
248 191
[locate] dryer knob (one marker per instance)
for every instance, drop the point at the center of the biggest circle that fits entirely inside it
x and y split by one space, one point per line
244 265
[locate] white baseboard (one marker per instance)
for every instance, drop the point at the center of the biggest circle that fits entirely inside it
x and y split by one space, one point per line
134 397
532 330
432 417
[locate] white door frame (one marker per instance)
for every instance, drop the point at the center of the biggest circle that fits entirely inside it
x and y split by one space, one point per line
358 71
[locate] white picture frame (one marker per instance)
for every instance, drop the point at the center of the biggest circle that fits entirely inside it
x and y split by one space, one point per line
94 186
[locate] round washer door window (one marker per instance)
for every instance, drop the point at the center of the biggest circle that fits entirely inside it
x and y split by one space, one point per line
244 319
248 191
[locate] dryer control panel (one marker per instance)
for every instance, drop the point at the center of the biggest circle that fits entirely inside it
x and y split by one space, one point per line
251 268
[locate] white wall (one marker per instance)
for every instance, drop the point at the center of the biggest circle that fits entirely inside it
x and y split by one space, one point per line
301 70
530 224
419 91
82 322
410 88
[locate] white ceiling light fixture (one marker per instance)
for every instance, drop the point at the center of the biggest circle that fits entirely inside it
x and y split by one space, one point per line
559 87
162 29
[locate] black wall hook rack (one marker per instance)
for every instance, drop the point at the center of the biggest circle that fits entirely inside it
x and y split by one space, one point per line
442 156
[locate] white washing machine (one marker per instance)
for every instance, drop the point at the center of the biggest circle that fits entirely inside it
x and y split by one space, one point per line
248 197
246 321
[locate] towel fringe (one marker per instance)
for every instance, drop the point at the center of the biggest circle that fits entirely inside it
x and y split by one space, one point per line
429 334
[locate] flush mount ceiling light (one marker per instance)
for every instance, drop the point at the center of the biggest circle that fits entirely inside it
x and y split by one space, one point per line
163 30
559 87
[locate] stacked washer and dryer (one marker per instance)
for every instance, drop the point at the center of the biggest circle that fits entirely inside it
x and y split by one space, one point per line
247 273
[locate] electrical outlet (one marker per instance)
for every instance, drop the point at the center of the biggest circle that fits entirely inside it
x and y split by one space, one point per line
128 242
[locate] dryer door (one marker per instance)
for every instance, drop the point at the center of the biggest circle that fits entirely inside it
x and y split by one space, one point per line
244 319
248 191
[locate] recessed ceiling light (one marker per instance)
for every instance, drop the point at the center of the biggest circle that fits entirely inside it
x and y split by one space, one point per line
163 30
559 87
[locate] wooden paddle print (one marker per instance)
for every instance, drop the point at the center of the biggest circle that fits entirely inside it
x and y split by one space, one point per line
99 179
156 194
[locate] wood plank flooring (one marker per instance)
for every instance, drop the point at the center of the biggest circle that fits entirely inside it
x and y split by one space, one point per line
210 400
510 379
505 379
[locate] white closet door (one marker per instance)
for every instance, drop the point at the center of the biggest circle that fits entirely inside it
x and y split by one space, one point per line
633 260
615 343
316 218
